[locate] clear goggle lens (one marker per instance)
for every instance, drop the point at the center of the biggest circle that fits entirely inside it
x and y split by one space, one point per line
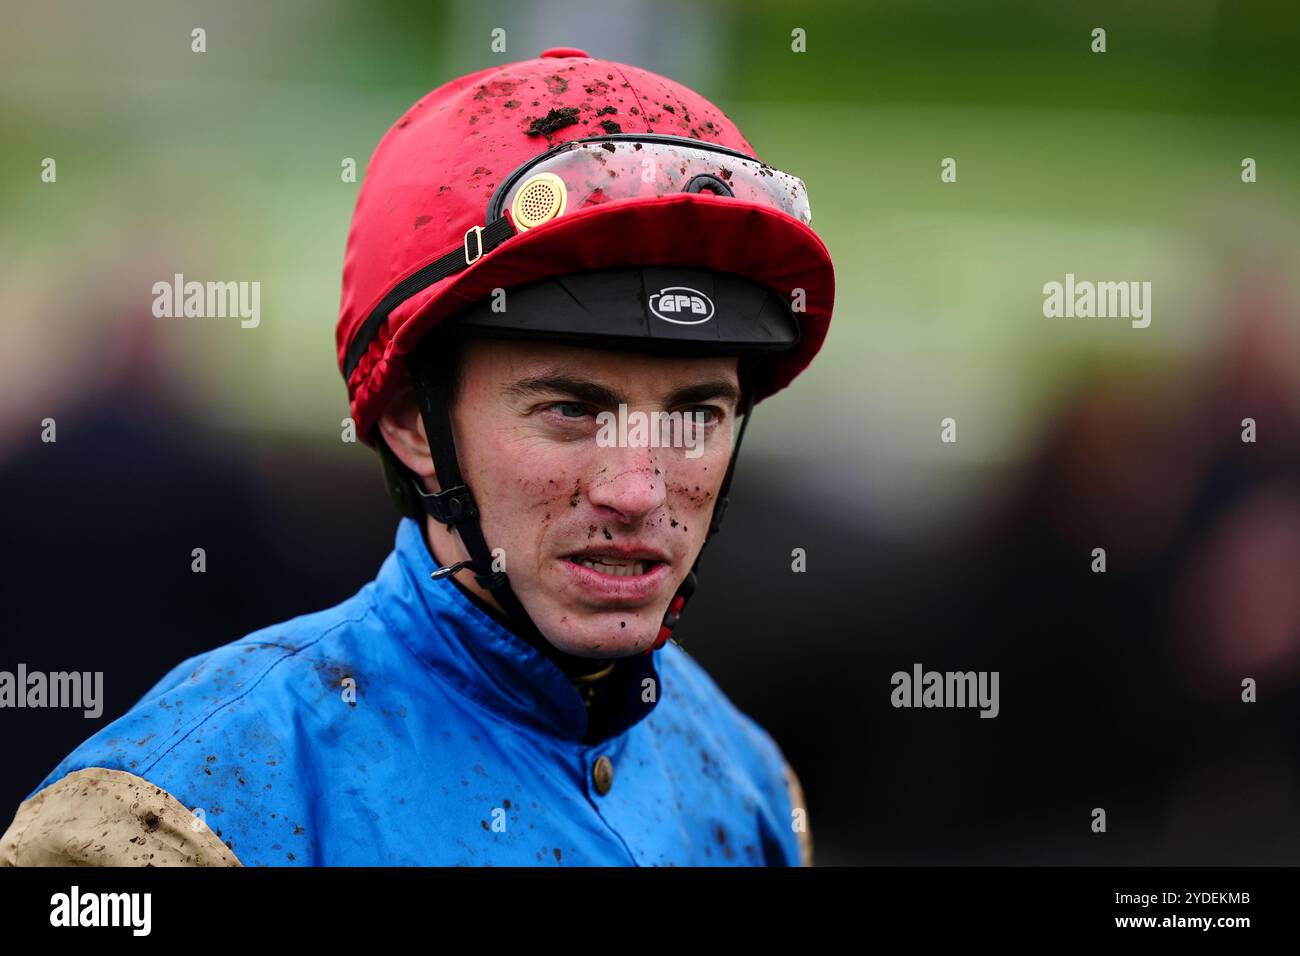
585 173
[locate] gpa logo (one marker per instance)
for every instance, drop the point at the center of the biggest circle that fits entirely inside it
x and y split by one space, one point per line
681 305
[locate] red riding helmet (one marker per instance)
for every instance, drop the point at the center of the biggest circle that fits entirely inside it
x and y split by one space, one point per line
427 191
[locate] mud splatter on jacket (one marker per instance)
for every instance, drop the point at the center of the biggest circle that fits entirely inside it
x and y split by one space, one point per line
406 726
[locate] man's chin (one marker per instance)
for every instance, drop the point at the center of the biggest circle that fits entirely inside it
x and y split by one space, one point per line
604 634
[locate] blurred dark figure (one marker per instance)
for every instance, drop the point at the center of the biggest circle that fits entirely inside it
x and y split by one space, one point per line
99 529
1119 690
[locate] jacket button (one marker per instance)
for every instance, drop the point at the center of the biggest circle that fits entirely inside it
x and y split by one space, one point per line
602 774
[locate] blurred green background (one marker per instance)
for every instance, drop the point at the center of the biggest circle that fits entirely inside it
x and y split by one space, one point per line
1122 165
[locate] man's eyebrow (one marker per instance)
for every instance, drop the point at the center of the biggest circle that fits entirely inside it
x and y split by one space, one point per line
579 388
594 394
703 392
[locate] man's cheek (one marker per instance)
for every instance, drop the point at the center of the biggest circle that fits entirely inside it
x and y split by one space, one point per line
540 503
522 478
691 498
690 506
692 485
544 489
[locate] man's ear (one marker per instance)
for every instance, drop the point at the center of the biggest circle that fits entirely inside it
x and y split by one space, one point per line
402 428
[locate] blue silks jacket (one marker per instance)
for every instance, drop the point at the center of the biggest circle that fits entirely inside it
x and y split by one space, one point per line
407 727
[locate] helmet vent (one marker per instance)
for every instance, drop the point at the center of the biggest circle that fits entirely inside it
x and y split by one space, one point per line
540 199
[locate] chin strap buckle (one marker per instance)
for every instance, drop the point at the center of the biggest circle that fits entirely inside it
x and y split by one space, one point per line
449 571
491 580
451 506
488 580
674 614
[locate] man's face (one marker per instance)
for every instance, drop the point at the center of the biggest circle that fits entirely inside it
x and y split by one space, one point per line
596 539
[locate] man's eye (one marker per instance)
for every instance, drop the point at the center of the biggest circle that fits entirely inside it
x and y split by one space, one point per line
707 414
570 409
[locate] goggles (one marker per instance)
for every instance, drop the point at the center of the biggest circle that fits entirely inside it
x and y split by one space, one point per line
592 171
588 172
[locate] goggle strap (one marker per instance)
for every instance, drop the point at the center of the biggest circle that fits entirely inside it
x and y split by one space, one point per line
478 242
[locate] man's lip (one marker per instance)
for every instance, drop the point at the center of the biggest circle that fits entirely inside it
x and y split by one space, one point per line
624 553
601 588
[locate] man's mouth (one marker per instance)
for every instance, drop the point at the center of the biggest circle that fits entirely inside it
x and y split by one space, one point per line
629 573
619 567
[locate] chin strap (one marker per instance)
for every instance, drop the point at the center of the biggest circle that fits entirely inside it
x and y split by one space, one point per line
688 585
454 507
477 242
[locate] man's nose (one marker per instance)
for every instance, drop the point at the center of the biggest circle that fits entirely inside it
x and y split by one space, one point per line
629 482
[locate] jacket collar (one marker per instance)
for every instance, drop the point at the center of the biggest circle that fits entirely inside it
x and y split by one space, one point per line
487 662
